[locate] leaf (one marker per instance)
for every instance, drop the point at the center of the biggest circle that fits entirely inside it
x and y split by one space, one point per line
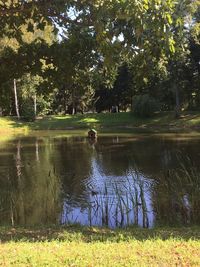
169 18
30 27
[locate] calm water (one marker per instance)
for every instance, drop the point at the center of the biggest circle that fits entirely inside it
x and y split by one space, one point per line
115 181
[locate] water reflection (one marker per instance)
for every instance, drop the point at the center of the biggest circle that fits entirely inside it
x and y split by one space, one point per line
114 181
29 188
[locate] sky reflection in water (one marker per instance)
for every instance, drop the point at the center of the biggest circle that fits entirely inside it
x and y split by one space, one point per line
116 181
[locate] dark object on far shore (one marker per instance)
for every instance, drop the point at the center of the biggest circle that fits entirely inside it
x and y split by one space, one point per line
92 134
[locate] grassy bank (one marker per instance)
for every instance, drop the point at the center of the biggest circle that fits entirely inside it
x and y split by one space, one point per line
9 125
162 122
83 246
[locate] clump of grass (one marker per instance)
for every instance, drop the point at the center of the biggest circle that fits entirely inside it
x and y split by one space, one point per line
181 194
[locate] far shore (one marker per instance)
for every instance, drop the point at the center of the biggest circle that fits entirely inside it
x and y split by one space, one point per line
104 122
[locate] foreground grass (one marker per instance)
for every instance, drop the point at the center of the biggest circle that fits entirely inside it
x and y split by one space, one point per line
83 246
161 122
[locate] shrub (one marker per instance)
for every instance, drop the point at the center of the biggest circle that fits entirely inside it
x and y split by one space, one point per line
145 105
27 110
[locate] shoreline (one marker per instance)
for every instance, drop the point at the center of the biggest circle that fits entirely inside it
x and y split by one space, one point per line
102 234
105 122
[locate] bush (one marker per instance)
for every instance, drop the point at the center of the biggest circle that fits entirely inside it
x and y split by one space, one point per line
27 110
145 105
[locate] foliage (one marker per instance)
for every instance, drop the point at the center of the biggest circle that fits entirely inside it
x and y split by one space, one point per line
119 94
27 110
100 53
31 88
145 105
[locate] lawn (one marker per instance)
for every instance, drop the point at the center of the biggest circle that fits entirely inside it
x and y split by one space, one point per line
117 120
161 122
10 125
83 246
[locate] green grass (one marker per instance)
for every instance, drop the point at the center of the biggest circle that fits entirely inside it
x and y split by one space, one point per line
10 125
161 122
83 246
83 121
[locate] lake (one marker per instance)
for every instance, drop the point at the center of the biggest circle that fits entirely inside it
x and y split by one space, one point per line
117 180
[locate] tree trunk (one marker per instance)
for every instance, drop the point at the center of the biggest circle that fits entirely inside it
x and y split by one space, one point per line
16 99
73 110
73 102
35 104
177 108
65 102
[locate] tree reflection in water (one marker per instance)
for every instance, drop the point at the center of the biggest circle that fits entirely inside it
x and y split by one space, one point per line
59 179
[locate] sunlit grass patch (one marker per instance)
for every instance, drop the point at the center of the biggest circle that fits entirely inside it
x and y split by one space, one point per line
10 126
65 117
148 253
89 120
195 121
6 122
83 246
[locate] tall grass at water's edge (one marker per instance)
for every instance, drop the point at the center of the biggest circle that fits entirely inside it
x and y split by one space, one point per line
138 199
117 206
176 192
130 204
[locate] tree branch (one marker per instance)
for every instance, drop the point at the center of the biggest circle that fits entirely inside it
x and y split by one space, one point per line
44 8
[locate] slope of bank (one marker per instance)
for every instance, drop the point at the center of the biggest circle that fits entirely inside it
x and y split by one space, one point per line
161 122
84 246
10 125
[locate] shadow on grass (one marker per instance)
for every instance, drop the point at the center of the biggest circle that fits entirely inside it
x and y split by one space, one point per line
62 123
79 121
93 234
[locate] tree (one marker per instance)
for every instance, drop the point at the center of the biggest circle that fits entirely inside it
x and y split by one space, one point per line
119 96
96 39
19 59
74 62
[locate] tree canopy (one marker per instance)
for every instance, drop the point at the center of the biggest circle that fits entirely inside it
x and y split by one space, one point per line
85 51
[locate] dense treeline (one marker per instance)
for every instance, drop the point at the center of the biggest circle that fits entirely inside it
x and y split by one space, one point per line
59 57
